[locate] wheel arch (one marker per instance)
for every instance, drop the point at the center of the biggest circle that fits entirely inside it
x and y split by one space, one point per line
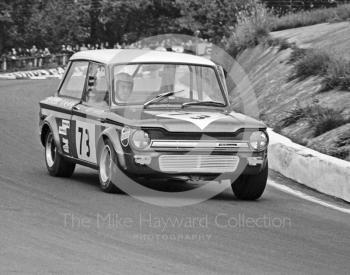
113 136
50 125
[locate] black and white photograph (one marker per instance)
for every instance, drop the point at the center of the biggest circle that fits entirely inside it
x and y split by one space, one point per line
174 137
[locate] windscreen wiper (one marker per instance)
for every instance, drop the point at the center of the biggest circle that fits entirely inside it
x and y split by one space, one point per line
160 97
204 103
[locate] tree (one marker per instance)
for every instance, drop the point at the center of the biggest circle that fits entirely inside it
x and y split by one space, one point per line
213 18
53 24
131 20
5 22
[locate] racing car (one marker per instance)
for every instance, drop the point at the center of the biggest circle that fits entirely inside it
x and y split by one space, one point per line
151 114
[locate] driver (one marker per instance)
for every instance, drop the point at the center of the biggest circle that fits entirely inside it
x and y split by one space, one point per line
123 86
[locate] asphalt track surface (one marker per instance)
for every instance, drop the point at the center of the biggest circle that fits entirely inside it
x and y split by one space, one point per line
60 226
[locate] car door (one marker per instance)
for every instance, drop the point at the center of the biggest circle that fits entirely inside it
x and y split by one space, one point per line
60 107
88 114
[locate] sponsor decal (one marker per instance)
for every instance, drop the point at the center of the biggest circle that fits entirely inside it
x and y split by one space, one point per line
65 145
201 120
124 137
62 130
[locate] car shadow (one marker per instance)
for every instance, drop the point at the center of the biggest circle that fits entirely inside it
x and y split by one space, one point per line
168 186
86 178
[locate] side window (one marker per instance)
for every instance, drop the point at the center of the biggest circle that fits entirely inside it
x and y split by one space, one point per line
96 90
73 85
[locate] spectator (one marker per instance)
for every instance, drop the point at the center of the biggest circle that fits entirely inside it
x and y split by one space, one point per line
33 50
40 52
46 52
117 46
20 52
63 49
69 49
168 46
13 53
83 47
161 47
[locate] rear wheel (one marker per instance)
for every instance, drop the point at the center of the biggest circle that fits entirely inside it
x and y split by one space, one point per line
250 187
107 160
55 163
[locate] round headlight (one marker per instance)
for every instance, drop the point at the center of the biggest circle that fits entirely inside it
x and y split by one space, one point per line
258 141
140 139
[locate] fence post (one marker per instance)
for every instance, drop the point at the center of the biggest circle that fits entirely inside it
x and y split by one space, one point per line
4 65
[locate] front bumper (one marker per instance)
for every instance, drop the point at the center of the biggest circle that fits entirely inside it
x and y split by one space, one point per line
168 164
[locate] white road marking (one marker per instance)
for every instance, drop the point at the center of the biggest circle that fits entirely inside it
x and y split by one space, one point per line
299 194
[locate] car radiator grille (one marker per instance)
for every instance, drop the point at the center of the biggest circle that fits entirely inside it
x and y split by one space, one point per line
198 163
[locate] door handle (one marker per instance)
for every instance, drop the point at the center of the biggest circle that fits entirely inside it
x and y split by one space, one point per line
76 108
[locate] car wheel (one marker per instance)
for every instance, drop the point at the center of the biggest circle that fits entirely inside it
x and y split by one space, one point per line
106 161
55 163
250 187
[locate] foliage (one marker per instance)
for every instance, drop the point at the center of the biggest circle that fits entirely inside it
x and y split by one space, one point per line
55 24
287 6
46 24
297 54
5 21
314 63
213 18
243 23
52 23
306 18
252 27
325 119
321 119
337 76
335 72
130 20
281 43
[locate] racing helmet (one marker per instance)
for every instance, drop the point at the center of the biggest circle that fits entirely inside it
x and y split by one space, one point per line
123 79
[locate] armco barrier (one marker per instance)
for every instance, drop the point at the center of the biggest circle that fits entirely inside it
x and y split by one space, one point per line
324 173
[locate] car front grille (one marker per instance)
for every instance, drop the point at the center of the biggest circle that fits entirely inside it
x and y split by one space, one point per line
198 163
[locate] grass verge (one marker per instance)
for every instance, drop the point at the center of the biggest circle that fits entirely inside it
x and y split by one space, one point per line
307 18
312 62
321 119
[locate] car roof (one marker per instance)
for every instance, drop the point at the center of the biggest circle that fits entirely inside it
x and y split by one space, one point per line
112 56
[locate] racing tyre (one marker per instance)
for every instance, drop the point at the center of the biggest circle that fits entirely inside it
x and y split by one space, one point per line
107 159
250 187
55 163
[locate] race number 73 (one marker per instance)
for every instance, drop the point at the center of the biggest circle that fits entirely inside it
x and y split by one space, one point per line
81 131
85 141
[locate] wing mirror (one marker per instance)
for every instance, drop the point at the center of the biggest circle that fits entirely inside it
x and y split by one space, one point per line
91 81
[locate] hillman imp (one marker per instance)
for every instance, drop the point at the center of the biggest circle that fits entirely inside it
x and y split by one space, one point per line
151 114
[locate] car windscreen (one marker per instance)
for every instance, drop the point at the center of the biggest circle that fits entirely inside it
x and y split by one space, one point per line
139 83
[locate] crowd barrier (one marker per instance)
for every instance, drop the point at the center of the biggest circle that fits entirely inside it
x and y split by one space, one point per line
11 64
